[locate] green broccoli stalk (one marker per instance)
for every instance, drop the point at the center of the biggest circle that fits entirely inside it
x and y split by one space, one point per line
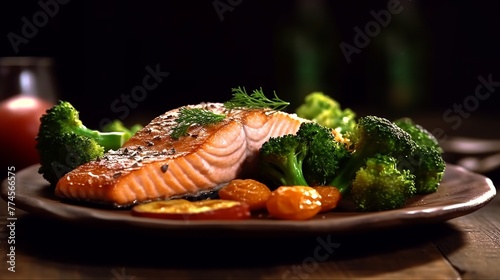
380 185
309 157
282 159
119 126
373 135
326 111
426 162
63 142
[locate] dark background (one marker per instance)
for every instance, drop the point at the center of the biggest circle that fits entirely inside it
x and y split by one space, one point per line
101 49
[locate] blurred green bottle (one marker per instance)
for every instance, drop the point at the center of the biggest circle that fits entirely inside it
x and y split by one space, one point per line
398 64
306 52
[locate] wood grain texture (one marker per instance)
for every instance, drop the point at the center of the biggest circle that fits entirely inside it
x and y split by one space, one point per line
479 233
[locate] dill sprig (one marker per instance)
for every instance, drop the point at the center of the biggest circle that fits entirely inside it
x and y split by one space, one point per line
256 100
193 116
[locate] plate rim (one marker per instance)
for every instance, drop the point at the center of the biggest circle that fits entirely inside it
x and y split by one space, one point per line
379 220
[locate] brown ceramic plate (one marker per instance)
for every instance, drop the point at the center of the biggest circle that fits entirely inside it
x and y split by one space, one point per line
461 192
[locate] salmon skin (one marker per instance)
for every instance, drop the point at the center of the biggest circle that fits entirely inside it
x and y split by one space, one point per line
154 166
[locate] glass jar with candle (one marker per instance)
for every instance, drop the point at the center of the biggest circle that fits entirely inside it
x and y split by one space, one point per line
27 90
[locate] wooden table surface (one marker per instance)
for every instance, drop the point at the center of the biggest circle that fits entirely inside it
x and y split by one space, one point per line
467 247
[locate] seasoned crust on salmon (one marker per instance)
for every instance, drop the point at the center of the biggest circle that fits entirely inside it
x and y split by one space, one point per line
152 165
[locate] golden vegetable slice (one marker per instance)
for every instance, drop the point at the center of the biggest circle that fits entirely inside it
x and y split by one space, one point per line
181 209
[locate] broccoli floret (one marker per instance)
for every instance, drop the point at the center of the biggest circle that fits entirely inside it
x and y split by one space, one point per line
64 143
309 157
326 111
426 162
324 154
419 134
374 170
429 169
373 135
282 158
380 185
119 126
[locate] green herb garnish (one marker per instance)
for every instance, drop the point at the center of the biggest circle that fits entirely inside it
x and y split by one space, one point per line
193 116
256 100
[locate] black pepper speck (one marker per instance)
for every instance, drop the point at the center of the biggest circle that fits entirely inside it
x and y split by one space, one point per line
164 168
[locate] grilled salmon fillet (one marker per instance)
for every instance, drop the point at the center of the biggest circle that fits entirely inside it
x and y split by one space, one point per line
152 165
